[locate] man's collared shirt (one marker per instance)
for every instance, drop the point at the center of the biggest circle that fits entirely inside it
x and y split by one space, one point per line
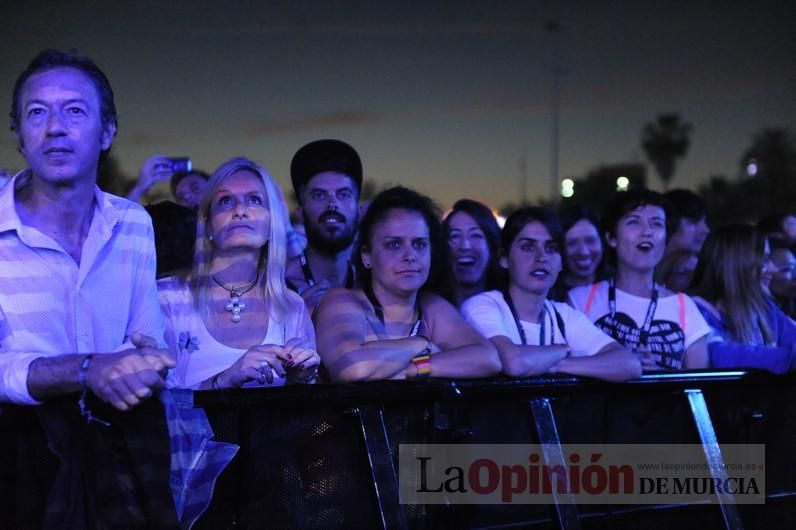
51 305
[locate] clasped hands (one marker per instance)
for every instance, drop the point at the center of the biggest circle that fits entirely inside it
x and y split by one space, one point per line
650 362
126 378
294 361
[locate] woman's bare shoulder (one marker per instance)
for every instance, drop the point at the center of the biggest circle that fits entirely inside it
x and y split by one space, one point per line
339 297
436 306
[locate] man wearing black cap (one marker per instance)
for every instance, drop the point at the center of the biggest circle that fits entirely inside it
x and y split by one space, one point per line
327 179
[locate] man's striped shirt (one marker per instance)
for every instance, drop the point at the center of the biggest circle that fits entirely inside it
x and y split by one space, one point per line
51 305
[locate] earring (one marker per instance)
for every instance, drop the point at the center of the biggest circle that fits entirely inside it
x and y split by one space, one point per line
210 237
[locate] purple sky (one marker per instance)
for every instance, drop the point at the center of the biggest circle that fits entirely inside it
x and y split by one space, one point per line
441 96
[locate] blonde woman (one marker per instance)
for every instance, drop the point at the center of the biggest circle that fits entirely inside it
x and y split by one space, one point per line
231 321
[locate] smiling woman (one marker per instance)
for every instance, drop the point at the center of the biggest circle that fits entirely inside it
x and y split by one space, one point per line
398 324
582 251
232 322
474 240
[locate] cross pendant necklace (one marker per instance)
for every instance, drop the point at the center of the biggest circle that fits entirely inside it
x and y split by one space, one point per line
235 306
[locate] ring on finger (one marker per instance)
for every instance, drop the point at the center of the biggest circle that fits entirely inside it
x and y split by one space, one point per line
264 365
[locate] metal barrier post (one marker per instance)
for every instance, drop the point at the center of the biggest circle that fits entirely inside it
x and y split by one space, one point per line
545 422
382 470
715 460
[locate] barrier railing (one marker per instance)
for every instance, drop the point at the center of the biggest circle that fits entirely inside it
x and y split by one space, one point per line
325 456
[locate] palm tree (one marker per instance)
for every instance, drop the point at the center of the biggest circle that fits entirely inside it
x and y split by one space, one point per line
664 141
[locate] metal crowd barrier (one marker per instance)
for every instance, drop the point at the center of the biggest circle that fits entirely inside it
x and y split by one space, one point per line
325 456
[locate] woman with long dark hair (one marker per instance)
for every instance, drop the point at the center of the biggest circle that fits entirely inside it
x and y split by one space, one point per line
474 240
749 330
582 251
398 324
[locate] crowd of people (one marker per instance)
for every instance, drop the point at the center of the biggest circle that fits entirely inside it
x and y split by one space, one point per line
391 291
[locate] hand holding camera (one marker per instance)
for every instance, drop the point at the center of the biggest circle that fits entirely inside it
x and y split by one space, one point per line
157 168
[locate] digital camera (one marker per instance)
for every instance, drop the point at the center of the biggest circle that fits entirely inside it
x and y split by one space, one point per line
180 164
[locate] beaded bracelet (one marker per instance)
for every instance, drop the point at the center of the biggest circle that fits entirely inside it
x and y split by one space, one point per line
81 380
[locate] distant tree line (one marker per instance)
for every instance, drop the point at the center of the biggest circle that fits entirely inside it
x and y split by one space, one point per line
764 185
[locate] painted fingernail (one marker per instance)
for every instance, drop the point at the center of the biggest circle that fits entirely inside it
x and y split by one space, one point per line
289 356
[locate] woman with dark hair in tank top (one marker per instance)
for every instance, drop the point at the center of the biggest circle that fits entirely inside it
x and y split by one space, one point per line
398 324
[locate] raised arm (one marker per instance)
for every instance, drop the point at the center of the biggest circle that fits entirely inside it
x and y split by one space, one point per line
155 169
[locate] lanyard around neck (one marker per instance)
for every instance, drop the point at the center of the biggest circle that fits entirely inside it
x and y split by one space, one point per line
310 279
378 309
644 333
543 315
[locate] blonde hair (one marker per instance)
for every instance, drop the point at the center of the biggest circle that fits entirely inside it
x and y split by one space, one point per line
272 259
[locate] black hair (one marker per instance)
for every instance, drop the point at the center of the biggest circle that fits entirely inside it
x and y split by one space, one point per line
401 198
486 221
532 214
518 220
627 201
175 234
775 242
773 224
49 59
570 215
179 175
684 204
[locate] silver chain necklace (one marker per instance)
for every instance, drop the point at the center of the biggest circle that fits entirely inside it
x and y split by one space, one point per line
235 306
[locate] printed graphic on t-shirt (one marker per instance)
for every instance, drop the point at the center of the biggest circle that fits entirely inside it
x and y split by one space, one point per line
666 339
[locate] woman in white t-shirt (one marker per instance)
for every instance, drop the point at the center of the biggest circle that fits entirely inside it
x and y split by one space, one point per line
534 335
665 328
231 321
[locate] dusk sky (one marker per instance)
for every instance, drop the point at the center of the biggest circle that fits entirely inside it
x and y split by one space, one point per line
445 97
